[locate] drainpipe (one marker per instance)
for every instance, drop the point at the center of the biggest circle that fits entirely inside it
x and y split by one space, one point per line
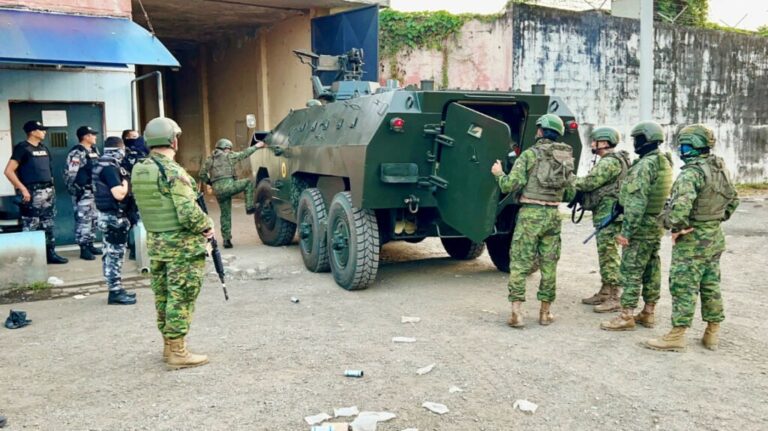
646 60
135 102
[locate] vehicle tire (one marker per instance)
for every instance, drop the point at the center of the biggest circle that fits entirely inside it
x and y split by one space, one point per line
463 248
311 217
498 249
353 243
272 229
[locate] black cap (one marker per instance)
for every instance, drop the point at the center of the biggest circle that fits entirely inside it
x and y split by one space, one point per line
31 126
112 142
85 130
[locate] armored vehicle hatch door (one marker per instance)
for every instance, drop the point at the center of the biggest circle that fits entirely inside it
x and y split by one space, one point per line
468 197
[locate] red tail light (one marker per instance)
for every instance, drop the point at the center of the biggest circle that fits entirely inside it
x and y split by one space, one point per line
572 126
396 124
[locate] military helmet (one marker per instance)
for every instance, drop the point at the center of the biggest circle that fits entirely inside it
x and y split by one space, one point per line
224 144
552 122
160 132
650 129
605 133
697 136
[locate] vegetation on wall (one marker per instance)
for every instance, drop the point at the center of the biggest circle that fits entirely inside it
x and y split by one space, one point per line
403 32
691 12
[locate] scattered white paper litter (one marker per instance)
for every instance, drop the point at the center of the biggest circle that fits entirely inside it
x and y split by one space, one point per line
367 421
78 297
403 340
425 370
346 412
55 281
410 319
454 389
525 406
435 407
317 419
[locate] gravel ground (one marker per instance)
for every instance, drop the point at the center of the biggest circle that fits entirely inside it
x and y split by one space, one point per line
85 365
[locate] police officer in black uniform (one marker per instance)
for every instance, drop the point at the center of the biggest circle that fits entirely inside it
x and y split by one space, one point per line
81 160
117 213
30 172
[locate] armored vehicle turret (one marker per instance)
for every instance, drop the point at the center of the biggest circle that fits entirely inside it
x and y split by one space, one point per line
363 165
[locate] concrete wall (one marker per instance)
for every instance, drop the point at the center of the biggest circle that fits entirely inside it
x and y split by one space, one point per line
110 86
120 8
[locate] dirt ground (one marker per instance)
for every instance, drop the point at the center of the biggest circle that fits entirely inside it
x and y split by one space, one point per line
85 365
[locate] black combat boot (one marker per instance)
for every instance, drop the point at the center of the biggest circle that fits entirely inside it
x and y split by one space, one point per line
227 243
85 253
52 257
120 297
95 250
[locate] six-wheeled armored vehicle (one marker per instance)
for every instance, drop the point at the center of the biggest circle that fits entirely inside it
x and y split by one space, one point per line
363 165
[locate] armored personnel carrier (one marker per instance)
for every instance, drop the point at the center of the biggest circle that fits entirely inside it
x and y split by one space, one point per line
363 165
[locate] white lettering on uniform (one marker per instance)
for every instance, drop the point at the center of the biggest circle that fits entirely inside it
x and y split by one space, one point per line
39 153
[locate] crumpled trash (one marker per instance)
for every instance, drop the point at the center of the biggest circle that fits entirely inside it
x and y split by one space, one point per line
367 421
454 389
55 281
424 370
435 407
78 296
403 340
17 319
410 319
317 419
525 406
346 412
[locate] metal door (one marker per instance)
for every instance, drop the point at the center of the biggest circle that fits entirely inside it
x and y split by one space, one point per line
59 140
471 142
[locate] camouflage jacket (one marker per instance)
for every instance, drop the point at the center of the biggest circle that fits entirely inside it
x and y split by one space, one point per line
234 157
633 197
606 171
188 242
685 190
80 163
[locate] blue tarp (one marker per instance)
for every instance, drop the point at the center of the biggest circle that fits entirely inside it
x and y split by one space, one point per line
48 38
337 34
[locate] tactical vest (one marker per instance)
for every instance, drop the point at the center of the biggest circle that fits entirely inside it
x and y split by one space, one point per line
551 171
105 202
37 167
156 208
84 175
718 190
221 168
610 190
660 187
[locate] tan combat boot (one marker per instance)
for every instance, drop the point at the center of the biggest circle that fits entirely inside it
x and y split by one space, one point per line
166 348
598 298
612 303
623 322
516 316
545 316
647 317
711 337
674 341
180 357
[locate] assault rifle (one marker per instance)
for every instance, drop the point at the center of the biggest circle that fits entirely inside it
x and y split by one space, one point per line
607 220
215 252
577 206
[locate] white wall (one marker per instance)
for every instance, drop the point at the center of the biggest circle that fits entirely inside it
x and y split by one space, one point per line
109 86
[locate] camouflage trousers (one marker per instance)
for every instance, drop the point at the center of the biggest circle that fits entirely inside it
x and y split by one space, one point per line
695 270
224 190
176 284
537 233
608 254
115 230
40 212
85 217
640 271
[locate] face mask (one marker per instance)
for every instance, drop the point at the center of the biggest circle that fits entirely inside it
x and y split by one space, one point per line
117 153
130 141
687 151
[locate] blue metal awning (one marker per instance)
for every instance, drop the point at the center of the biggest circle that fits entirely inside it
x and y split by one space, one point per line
77 40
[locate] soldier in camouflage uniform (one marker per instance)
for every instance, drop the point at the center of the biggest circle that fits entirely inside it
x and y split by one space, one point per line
601 193
643 193
540 176
78 177
177 233
219 172
703 196
114 201
29 170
